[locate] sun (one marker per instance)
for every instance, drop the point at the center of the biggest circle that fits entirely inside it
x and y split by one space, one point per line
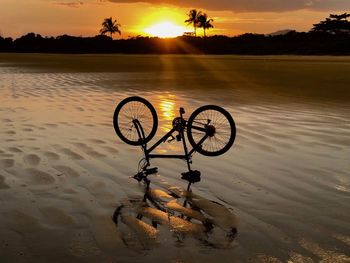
165 29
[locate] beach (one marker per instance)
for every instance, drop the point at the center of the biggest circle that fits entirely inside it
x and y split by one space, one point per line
63 170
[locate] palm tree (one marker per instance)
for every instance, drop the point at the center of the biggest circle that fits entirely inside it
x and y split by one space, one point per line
193 19
110 26
204 22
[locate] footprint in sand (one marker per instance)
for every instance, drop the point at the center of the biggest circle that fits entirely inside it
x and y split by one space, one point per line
39 177
52 156
69 172
6 163
32 159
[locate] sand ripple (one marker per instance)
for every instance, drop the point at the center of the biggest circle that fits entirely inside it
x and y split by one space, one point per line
32 159
52 156
71 154
37 176
3 185
66 170
6 163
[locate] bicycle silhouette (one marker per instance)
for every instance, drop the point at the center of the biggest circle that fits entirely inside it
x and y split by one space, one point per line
210 130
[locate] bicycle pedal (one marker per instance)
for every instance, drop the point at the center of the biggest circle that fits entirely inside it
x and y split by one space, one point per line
149 171
192 176
138 176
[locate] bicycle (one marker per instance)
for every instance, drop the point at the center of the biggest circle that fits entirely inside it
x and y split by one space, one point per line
210 130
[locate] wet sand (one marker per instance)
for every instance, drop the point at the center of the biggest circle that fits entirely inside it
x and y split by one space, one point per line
63 171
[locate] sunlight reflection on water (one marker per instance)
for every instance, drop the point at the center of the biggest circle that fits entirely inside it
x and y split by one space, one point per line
167 108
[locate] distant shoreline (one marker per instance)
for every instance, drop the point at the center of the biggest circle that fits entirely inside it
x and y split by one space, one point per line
292 43
6 55
245 56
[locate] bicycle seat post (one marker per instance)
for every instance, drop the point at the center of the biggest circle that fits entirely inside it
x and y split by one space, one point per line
182 111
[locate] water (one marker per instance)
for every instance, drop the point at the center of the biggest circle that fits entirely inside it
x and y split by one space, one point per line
63 171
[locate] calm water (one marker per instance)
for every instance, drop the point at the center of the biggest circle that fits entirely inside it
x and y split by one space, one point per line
287 177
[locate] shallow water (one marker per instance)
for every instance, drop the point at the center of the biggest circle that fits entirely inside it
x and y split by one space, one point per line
63 171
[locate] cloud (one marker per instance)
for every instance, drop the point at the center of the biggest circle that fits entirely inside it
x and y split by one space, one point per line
72 4
252 5
78 3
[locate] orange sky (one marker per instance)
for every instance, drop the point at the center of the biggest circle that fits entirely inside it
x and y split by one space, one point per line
231 17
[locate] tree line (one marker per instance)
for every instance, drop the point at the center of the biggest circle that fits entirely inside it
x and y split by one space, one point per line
300 43
331 36
334 24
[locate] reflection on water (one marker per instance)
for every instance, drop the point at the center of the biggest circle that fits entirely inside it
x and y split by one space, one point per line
168 110
168 106
163 215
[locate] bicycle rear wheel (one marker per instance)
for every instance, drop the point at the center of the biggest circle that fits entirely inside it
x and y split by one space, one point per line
215 123
134 109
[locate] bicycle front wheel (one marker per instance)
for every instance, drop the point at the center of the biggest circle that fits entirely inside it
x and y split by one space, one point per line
135 110
217 125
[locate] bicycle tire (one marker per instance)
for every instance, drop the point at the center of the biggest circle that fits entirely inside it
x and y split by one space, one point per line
223 134
126 112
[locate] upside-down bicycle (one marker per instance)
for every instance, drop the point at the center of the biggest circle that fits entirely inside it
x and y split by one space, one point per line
210 130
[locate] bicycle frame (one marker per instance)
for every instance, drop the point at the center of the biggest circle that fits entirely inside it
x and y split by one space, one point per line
179 125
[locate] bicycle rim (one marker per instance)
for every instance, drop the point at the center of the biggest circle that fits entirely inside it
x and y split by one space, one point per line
129 110
215 123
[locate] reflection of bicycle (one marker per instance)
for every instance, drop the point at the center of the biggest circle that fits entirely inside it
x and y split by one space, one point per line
210 130
147 220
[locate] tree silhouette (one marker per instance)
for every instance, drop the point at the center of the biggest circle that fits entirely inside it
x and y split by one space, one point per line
193 16
334 24
204 22
110 26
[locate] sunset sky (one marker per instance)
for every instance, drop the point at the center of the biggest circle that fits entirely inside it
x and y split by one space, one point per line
231 17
